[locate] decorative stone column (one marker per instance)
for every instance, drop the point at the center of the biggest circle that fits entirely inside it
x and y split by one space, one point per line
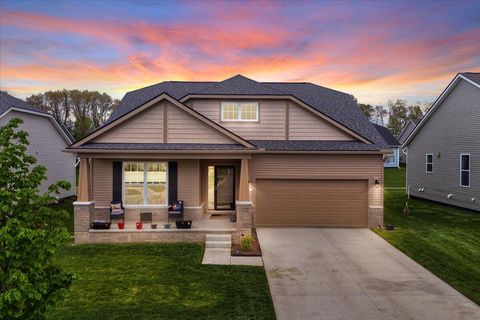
83 213
243 204
244 218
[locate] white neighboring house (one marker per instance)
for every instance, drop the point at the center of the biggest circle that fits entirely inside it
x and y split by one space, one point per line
443 151
47 140
402 137
391 160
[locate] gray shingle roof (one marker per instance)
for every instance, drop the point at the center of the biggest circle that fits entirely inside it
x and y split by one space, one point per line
387 135
474 76
161 146
312 145
7 101
336 105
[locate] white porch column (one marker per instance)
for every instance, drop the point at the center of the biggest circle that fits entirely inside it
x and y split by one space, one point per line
243 204
84 182
243 194
84 206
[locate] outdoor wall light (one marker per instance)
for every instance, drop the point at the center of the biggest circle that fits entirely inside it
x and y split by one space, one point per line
439 155
377 183
473 199
449 195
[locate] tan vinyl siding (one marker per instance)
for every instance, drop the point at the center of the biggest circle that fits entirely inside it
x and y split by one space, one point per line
316 166
358 167
102 173
183 128
304 125
189 182
454 128
270 124
145 127
47 145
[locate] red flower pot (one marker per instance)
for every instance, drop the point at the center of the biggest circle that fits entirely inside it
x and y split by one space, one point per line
139 225
121 225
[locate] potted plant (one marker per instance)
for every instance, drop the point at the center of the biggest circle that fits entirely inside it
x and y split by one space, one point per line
121 225
183 224
166 225
139 225
154 226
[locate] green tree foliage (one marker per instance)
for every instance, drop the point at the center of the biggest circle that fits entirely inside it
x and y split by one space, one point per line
30 232
415 112
398 115
80 111
368 109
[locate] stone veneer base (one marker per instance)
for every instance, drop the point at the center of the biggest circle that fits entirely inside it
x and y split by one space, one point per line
148 235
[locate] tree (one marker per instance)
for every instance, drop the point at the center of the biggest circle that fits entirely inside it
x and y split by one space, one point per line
80 111
415 112
368 109
397 116
30 232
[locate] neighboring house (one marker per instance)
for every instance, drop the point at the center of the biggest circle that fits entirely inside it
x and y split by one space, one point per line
276 154
406 131
48 140
391 160
443 152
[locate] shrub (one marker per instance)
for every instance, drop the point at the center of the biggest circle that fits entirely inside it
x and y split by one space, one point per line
246 243
31 281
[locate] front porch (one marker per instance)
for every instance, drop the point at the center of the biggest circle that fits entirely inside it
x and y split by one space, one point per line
92 204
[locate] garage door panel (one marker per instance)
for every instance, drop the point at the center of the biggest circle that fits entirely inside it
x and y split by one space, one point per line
302 202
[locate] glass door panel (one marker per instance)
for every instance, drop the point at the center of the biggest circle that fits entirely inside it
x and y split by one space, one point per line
224 188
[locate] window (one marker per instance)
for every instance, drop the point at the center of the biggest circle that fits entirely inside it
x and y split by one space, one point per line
465 170
429 163
239 111
145 183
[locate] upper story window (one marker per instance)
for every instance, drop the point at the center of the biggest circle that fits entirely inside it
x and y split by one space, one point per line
239 111
465 170
429 163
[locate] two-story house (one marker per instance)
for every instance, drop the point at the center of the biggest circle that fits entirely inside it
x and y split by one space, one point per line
271 153
443 151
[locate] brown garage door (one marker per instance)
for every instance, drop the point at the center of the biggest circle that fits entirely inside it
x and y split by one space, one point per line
312 203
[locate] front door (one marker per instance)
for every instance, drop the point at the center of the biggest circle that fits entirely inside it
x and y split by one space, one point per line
224 188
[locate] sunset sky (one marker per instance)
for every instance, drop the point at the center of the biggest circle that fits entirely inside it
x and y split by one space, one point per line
373 50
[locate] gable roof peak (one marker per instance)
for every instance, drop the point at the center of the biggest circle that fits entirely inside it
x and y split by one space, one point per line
472 76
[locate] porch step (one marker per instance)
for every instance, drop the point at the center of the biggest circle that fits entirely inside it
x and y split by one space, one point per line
218 241
220 212
218 244
219 237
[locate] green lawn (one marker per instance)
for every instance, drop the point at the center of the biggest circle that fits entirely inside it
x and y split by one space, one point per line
443 239
395 178
67 205
159 281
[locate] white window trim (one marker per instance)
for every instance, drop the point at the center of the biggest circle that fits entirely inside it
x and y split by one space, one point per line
426 162
469 169
144 205
239 112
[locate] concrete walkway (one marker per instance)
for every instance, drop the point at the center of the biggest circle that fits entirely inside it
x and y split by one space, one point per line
218 251
352 274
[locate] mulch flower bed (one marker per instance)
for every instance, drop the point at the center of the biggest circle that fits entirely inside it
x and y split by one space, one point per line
255 250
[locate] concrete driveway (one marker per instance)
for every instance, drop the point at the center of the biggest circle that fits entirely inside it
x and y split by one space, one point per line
352 274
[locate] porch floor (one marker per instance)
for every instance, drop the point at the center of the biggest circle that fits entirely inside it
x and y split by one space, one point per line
206 223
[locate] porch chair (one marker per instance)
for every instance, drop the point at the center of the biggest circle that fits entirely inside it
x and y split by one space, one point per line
117 211
175 210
